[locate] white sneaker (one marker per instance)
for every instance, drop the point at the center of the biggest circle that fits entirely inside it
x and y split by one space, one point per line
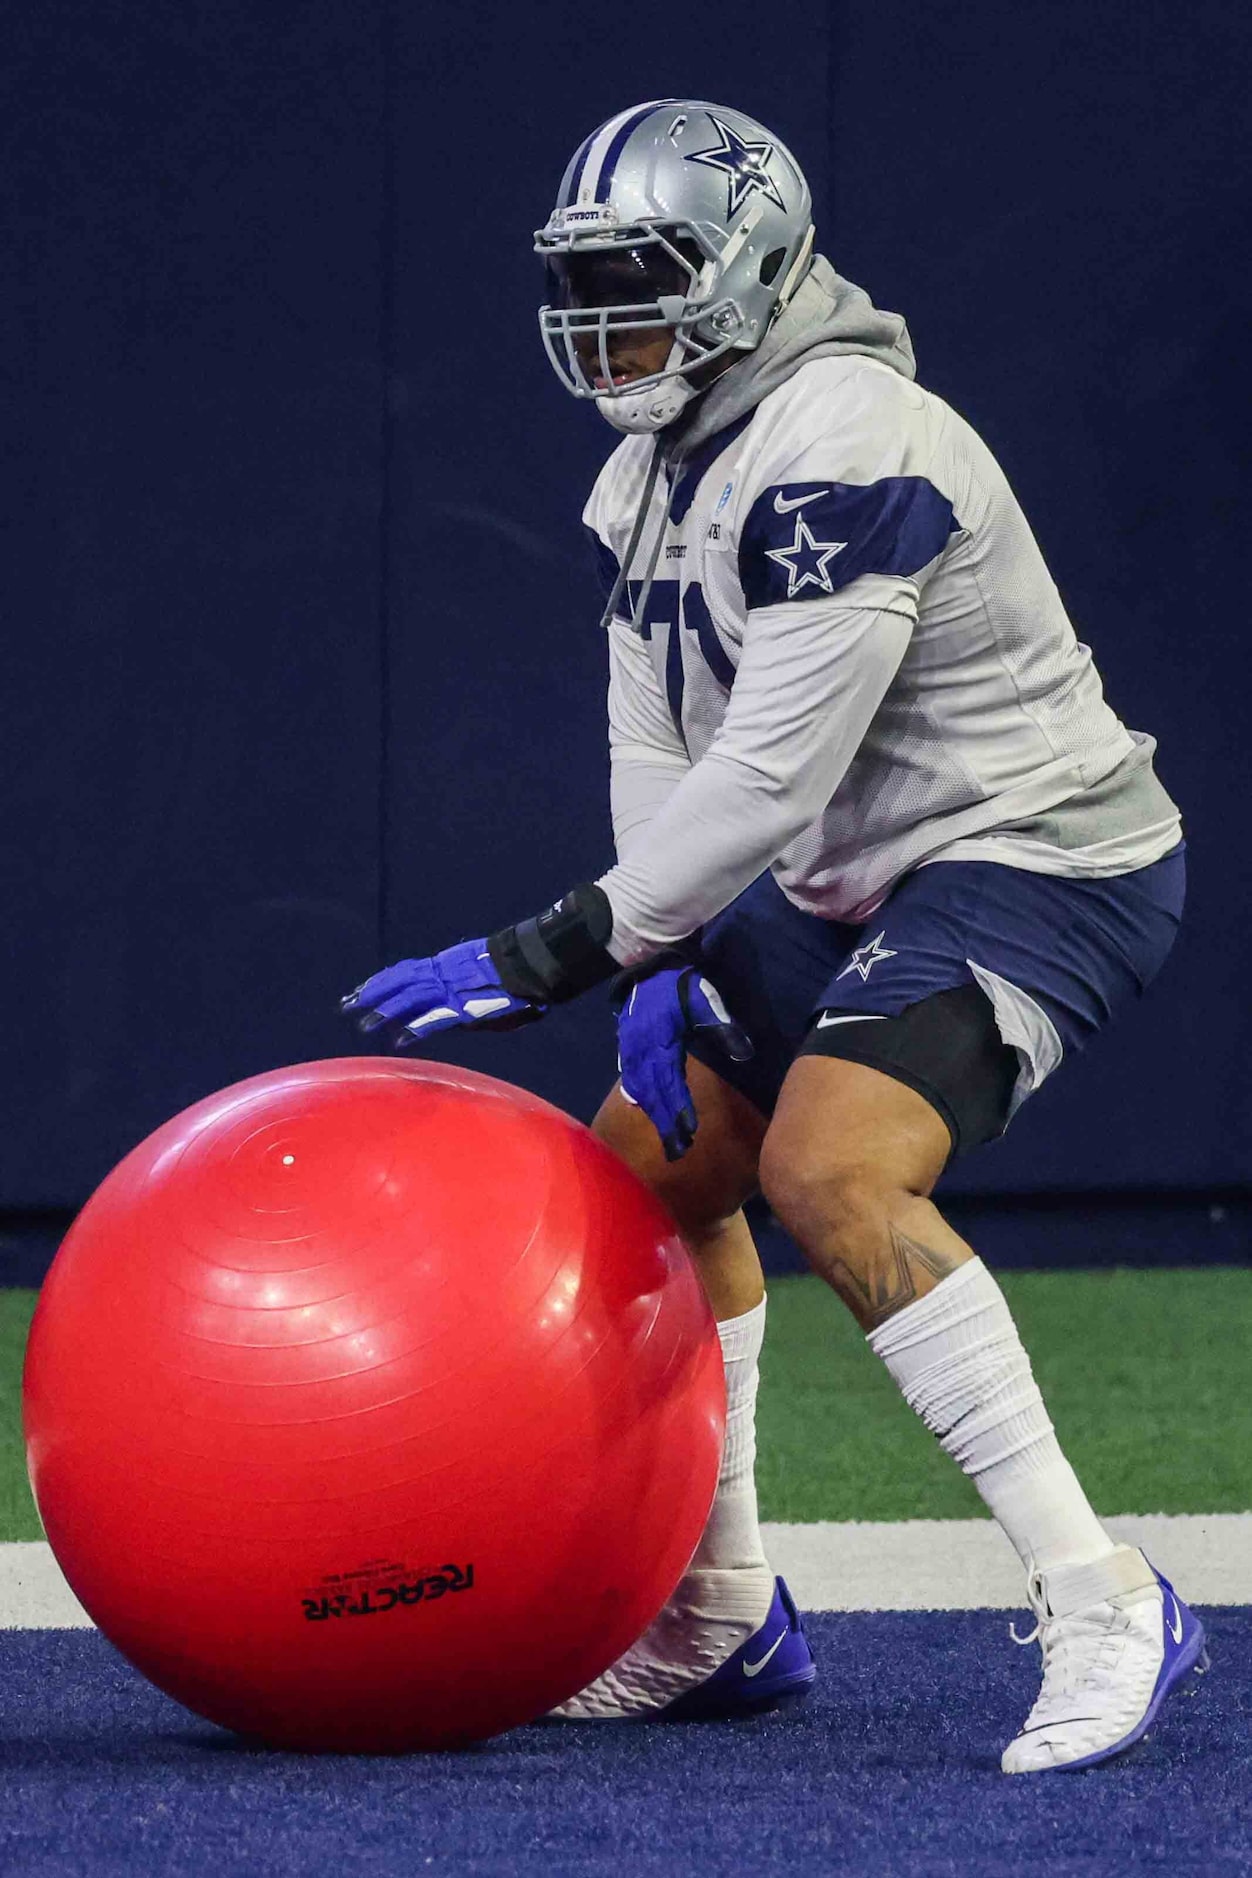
710 1616
1115 1641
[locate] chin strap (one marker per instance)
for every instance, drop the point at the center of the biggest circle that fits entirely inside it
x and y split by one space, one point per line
560 953
644 411
639 412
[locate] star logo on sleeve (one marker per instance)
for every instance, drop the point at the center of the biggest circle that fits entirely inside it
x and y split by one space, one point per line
745 166
865 958
807 561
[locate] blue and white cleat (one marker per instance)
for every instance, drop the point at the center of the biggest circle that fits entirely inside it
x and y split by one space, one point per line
774 1665
710 1655
1116 1639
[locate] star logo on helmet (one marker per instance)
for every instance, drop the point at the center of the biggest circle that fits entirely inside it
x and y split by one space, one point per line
806 560
744 164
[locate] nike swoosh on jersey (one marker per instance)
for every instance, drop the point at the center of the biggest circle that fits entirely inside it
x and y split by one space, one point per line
783 505
860 1017
754 1669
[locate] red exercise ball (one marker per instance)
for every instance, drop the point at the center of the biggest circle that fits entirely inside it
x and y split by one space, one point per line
373 1405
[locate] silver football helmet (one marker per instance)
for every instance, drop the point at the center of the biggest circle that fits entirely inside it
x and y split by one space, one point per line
675 215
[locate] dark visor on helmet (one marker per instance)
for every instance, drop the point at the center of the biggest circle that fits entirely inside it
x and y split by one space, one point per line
620 276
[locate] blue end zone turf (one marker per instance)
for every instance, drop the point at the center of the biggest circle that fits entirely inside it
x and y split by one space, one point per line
891 1767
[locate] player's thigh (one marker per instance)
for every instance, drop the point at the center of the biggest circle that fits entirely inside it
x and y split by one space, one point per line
718 1172
876 1107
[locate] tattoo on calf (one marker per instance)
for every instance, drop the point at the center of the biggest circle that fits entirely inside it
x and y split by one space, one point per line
875 1296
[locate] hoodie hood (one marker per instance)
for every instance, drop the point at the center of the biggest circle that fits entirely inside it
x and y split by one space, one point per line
825 317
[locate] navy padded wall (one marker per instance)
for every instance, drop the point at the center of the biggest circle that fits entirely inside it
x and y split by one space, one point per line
191 765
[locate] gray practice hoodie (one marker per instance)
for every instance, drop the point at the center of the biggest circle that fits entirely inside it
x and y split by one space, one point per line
826 317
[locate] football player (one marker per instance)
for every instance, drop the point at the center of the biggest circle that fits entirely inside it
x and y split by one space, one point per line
885 857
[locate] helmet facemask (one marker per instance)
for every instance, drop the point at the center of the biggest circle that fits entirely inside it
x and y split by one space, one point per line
605 289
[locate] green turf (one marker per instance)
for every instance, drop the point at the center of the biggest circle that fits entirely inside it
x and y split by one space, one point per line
18 1518
1145 1374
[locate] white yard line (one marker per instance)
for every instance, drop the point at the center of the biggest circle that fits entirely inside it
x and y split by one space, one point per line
910 1565
968 1564
33 1594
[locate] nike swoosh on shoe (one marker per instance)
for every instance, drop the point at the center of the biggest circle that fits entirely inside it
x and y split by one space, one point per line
754 1669
760 1674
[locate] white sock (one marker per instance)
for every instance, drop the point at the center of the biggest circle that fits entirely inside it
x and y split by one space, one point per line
732 1537
726 1591
959 1362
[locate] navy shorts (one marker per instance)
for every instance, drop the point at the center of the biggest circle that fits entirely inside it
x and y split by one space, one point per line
1053 961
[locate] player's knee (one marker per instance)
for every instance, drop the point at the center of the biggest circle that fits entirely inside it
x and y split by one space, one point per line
840 1207
701 1191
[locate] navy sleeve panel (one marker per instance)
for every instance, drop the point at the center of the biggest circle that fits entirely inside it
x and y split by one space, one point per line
802 540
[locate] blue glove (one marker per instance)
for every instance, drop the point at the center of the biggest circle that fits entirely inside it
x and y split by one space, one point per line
459 986
656 1015
496 983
